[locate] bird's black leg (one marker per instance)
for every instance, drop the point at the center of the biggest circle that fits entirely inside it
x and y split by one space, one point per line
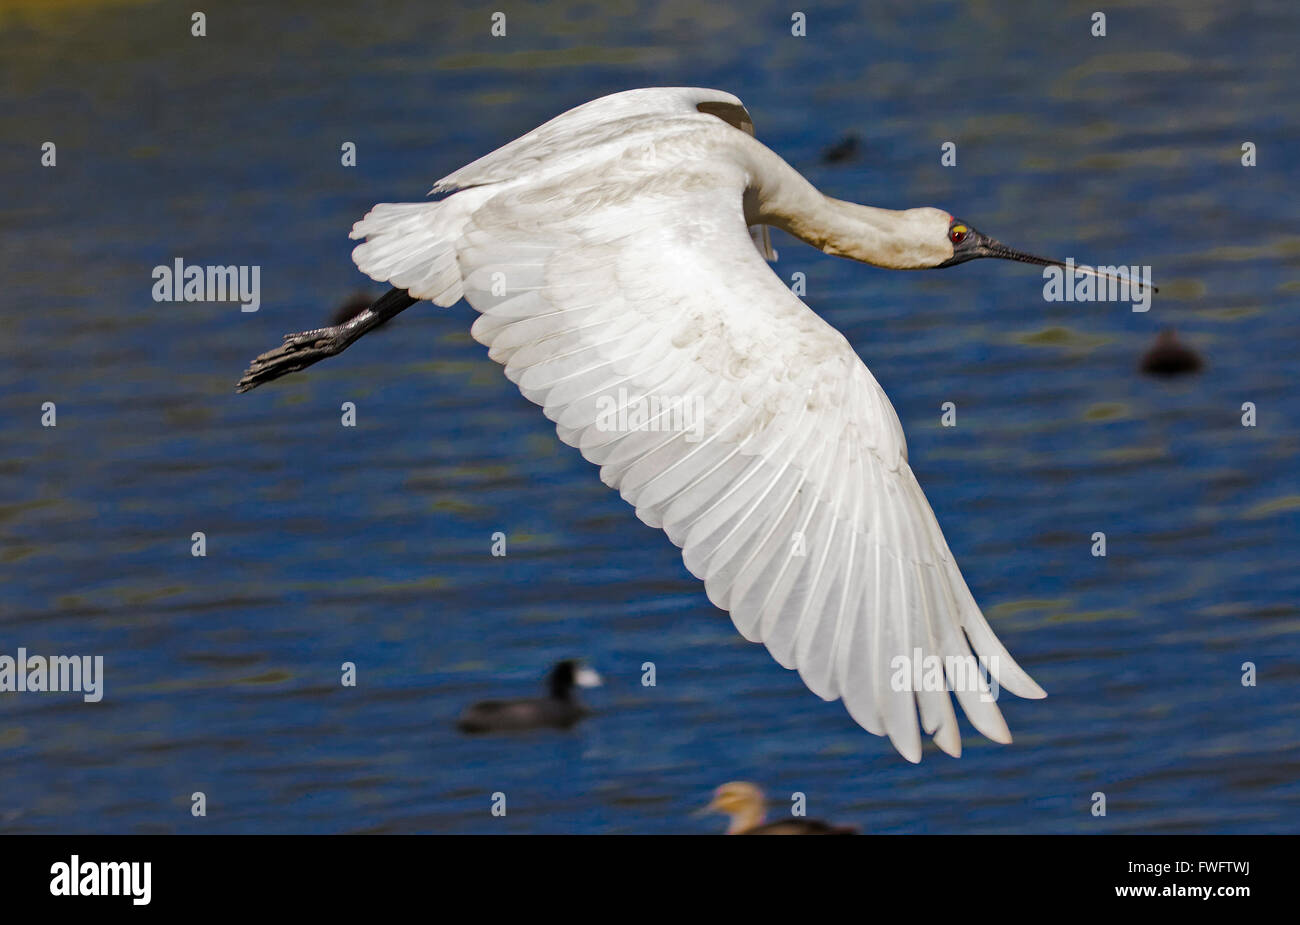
301 350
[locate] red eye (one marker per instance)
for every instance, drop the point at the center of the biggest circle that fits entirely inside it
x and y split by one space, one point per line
957 233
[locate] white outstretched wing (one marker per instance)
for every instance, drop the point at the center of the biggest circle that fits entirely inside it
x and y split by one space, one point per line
608 125
628 300
603 128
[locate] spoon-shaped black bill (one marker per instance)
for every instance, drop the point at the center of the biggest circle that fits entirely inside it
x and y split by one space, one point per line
992 248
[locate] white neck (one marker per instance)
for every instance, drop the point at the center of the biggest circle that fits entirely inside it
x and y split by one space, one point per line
780 196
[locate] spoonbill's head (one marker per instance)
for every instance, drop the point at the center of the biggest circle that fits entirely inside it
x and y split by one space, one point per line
968 243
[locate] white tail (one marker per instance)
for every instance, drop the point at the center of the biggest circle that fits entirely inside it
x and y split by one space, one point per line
412 245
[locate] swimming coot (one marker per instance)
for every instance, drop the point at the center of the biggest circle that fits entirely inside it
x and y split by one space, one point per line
559 709
744 803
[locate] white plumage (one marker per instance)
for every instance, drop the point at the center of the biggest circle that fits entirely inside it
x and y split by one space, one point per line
609 256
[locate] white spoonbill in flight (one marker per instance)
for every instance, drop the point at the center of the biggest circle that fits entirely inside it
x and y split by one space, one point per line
610 256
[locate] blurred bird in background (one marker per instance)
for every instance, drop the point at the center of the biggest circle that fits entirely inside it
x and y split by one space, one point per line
559 709
743 802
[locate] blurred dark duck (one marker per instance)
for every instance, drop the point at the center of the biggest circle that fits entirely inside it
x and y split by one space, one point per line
559 709
1169 356
846 149
744 803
